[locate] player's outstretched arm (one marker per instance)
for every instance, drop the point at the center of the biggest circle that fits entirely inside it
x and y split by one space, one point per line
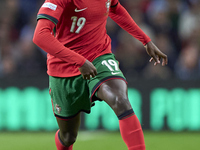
120 15
155 54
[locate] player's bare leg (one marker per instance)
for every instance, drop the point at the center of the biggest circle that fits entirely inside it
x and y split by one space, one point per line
114 93
67 133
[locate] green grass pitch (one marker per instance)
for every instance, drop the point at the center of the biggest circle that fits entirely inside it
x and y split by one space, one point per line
100 140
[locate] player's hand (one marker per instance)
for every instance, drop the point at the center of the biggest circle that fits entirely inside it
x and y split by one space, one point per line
88 70
156 54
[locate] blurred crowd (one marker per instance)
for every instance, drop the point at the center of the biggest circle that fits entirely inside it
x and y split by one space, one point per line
173 25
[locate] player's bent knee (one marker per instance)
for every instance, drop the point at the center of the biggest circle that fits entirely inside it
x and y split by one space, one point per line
116 99
69 139
119 104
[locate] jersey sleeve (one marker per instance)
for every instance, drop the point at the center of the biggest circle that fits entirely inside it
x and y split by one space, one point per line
120 15
46 41
51 10
114 3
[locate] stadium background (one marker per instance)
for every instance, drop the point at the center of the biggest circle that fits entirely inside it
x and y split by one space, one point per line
166 99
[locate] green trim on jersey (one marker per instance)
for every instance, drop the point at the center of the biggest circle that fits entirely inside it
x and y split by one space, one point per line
44 16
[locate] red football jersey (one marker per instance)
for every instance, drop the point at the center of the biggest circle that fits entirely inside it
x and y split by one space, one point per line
81 27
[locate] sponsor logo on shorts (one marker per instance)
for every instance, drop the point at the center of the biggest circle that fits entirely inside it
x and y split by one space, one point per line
50 6
114 73
58 108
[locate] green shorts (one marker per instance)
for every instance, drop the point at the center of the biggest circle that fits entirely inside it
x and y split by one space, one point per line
74 94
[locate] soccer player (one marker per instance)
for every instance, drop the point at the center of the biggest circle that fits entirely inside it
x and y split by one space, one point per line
82 68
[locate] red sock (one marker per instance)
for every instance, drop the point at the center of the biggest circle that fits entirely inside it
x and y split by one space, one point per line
132 133
59 144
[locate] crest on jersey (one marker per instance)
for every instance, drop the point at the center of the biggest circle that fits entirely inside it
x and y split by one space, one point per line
58 108
108 3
